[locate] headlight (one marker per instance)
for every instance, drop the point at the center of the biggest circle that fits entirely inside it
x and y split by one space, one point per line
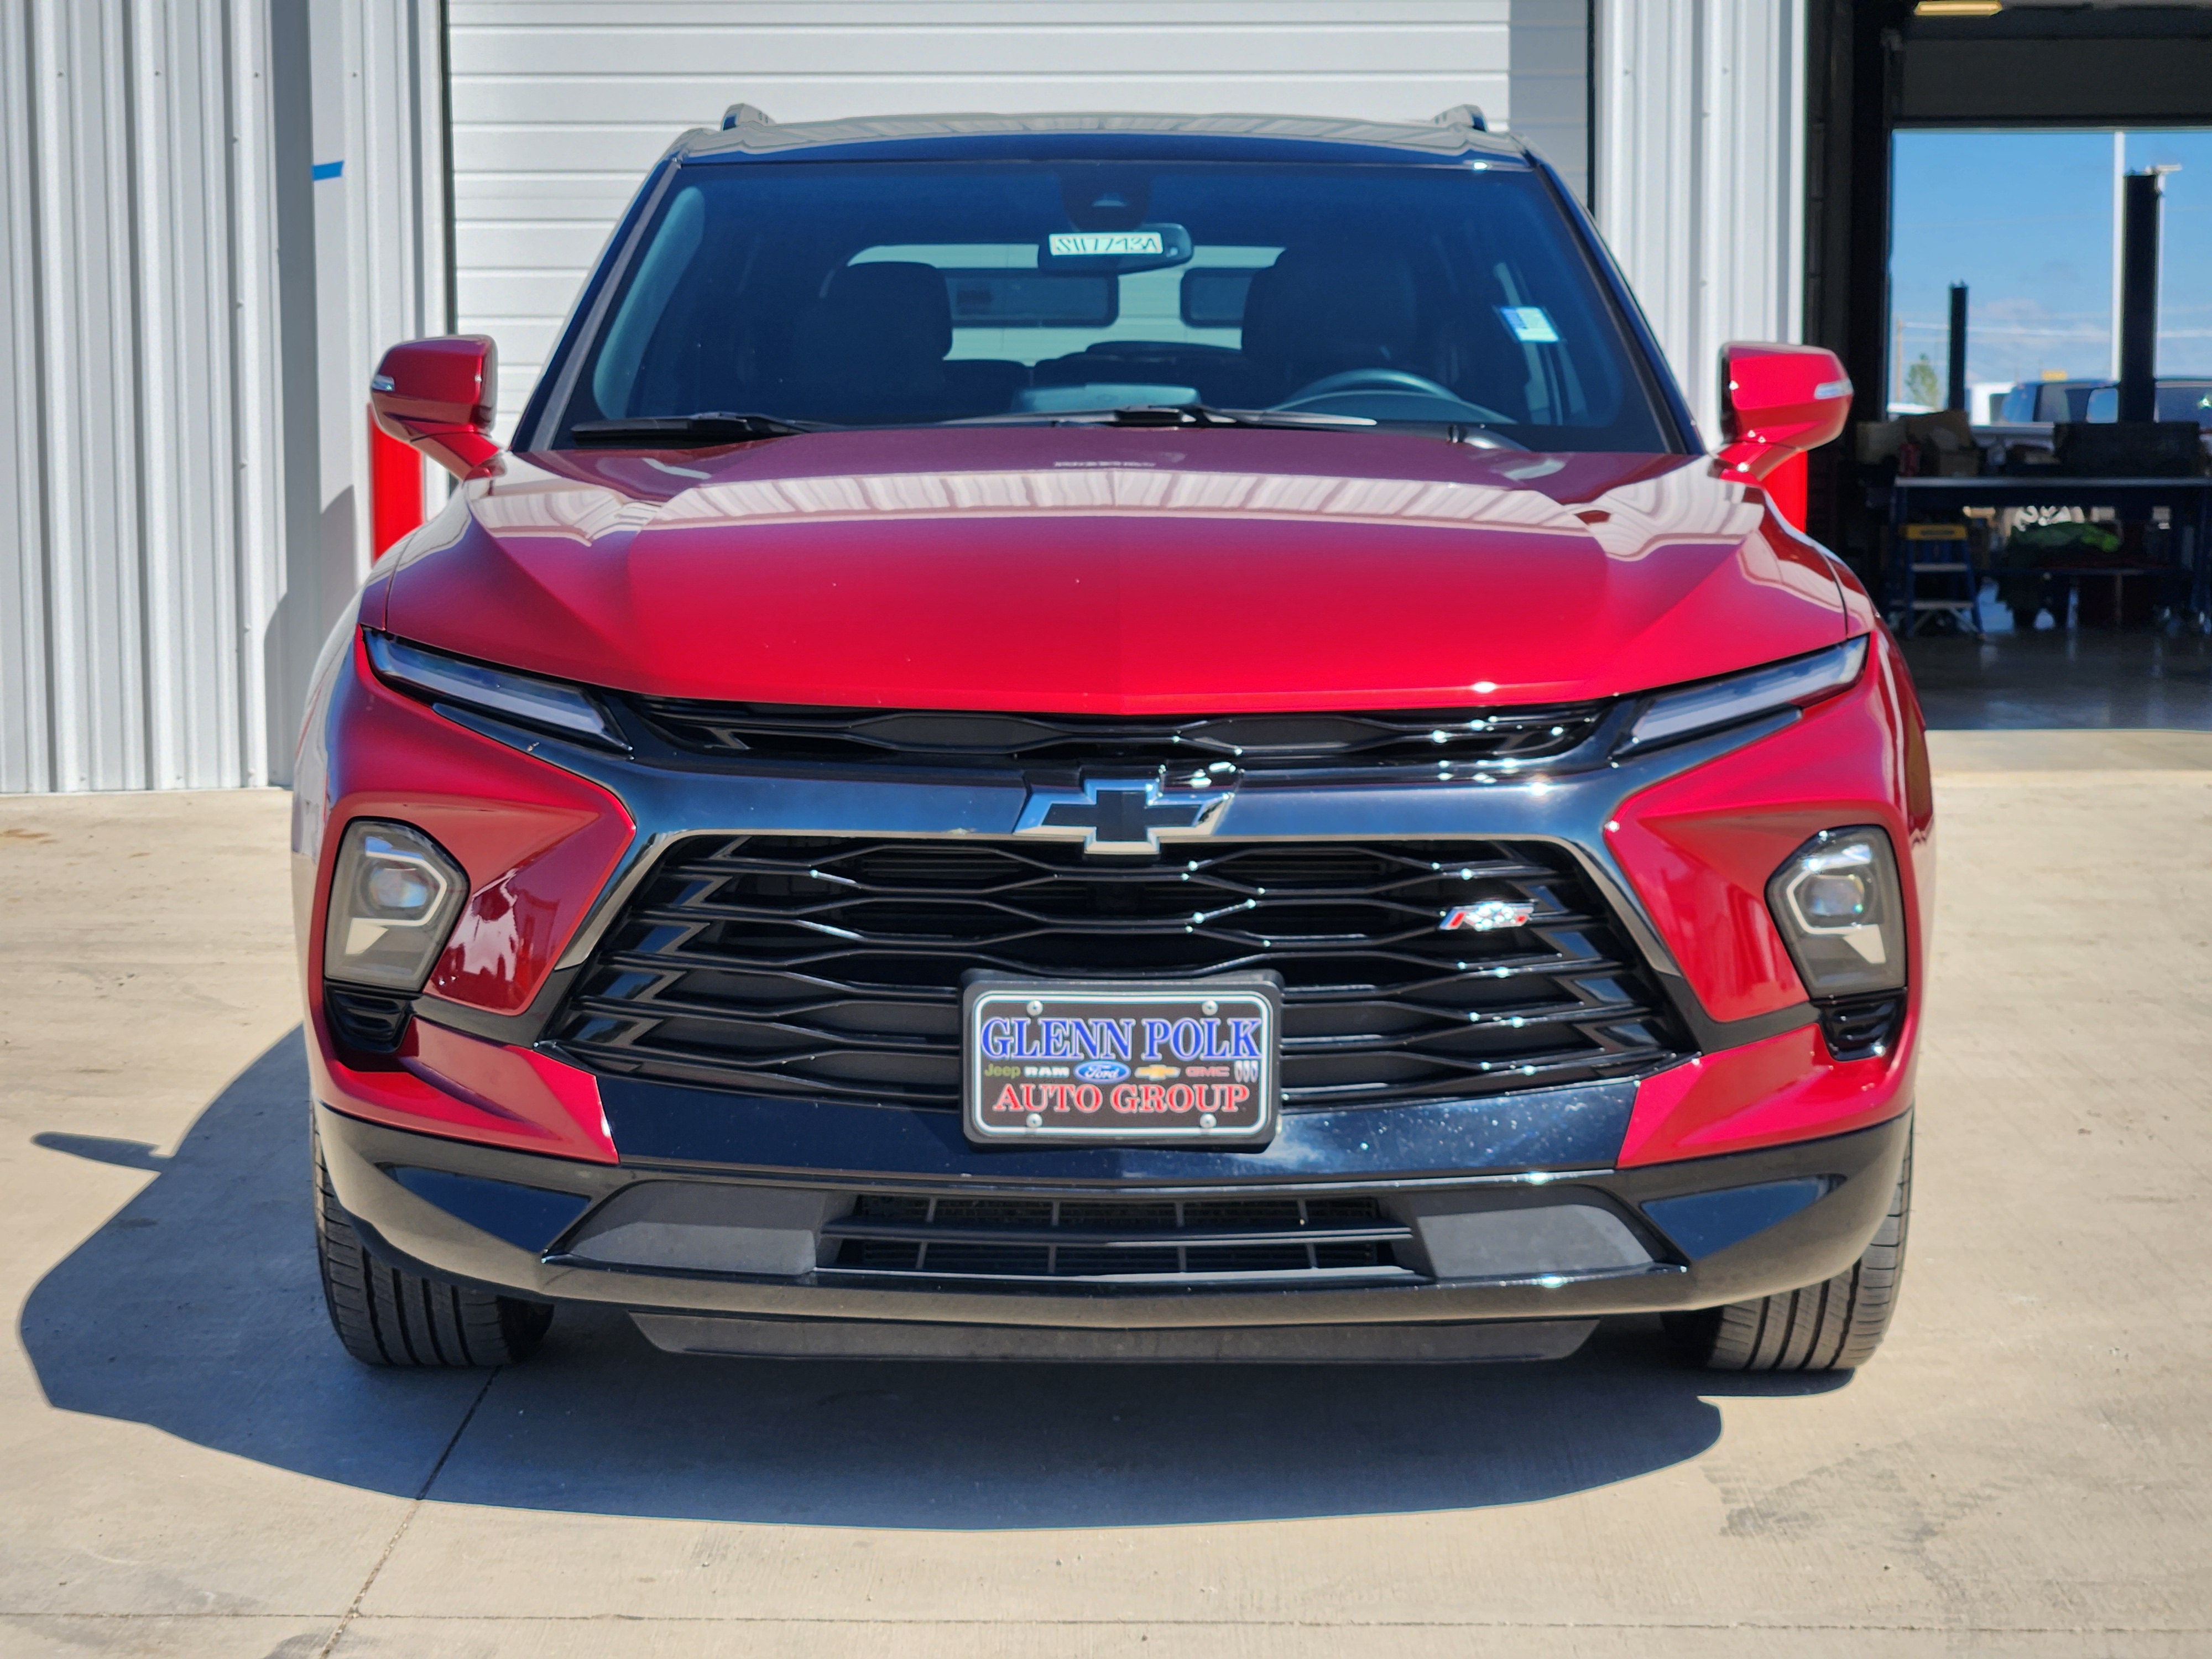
568 710
393 898
1741 697
1842 913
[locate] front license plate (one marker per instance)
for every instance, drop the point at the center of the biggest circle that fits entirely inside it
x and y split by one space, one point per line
1056 1060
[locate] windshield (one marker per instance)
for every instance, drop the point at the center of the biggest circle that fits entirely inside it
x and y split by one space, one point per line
904 293
2178 400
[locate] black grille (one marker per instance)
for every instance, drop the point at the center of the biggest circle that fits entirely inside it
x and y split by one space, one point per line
922 737
1859 1028
1090 1238
371 1021
831 968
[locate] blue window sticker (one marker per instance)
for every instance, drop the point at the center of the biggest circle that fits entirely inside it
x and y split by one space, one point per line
1529 325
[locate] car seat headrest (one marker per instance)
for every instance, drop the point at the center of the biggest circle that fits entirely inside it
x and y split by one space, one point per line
895 306
1316 311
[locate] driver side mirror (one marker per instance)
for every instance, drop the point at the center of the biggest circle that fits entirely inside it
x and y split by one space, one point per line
440 396
1778 401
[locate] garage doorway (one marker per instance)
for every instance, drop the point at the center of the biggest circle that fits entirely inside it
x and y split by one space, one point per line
1976 144
2028 221
1883 74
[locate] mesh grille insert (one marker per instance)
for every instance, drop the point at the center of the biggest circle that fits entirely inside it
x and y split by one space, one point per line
831 968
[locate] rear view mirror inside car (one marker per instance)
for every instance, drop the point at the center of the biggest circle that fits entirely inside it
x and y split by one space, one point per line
1141 248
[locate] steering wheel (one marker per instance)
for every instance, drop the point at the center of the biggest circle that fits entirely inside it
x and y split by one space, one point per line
1398 394
1370 380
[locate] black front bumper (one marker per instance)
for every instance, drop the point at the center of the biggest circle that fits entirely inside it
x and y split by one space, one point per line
1506 1235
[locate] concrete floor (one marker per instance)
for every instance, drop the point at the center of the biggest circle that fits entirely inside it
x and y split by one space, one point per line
2081 678
189 1466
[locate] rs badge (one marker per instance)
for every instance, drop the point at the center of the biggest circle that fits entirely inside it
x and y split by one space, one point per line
1490 916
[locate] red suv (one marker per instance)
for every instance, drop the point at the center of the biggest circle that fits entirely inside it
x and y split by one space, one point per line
1119 738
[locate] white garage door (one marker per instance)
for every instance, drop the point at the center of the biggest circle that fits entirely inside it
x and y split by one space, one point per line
560 105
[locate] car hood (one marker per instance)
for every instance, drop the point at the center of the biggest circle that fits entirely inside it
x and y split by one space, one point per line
1109 570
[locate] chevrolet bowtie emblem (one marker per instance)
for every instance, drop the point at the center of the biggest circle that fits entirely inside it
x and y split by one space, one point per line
1122 815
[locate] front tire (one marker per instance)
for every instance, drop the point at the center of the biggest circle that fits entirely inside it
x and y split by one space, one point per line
387 1316
1834 1326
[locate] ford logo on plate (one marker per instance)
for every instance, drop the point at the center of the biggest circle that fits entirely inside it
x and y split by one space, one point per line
1102 1071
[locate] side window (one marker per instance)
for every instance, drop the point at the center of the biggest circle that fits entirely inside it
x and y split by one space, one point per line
2187 402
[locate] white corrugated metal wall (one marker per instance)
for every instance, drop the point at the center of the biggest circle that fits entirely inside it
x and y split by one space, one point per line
185 364
560 105
1700 166
136 443
375 276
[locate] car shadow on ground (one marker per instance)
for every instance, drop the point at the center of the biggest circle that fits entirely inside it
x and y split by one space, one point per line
194 1310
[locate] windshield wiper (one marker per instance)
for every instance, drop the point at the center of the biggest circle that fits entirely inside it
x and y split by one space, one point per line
1170 415
685 431
1207 415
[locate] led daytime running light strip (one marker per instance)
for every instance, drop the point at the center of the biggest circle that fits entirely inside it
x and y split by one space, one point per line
523 697
1743 696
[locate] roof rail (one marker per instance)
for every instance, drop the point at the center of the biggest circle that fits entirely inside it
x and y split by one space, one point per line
738 115
1459 115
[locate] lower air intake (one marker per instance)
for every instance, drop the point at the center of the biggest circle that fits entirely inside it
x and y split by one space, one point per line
1144 1240
1861 1027
373 1021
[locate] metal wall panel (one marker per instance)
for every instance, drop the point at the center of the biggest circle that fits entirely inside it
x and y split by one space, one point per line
372 271
1700 173
136 450
179 526
560 105
1547 76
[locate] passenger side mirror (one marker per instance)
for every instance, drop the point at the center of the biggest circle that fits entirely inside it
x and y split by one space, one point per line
1778 401
440 396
